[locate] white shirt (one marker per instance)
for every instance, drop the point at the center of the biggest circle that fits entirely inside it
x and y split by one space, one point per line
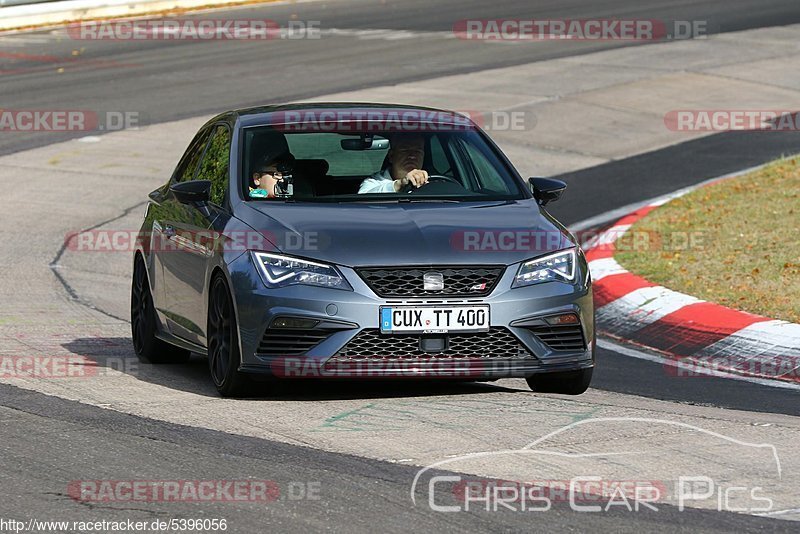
380 182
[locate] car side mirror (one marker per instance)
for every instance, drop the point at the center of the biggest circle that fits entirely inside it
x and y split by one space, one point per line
191 192
546 189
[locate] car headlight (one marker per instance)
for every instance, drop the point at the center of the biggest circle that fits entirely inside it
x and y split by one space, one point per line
281 271
553 267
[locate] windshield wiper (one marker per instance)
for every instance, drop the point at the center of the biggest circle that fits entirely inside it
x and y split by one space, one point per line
409 200
403 200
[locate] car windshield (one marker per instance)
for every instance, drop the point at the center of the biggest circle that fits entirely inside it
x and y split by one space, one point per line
280 163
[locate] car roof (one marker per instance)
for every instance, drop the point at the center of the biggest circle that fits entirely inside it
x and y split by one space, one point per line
276 114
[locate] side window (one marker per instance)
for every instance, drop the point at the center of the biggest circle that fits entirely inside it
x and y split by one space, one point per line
191 158
215 163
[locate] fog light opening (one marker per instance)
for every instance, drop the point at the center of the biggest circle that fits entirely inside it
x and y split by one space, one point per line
294 322
564 318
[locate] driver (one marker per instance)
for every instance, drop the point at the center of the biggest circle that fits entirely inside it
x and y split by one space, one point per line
404 161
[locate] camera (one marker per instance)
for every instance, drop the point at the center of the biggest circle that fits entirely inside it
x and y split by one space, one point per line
284 188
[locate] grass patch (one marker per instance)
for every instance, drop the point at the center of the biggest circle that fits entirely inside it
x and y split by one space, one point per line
736 243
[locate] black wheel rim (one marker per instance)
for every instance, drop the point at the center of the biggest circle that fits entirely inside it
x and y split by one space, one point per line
141 304
220 333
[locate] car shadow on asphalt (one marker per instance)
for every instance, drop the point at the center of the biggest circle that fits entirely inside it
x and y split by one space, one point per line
113 355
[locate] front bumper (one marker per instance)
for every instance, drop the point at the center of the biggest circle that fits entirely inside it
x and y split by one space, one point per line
349 313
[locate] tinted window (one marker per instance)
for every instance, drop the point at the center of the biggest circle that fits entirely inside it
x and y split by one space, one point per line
339 166
191 157
215 163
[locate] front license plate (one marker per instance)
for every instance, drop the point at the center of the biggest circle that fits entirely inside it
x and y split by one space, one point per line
434 319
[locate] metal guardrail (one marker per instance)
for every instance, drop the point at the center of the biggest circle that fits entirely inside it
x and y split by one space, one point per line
7 3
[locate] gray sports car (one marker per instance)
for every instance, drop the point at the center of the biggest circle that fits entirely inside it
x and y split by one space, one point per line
359 241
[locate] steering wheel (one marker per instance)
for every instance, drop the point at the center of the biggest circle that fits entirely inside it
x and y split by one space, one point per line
437 178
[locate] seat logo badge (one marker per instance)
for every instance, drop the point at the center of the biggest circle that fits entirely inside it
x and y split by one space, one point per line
432 281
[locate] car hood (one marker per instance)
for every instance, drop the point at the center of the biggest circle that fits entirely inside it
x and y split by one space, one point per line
417 233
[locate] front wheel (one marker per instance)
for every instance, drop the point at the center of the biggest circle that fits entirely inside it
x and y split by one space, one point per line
565 383
223 343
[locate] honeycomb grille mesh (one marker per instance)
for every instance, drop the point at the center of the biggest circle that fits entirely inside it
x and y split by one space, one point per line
370 344
407 281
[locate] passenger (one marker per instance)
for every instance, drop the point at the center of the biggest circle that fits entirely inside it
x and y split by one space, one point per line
265 177
270 151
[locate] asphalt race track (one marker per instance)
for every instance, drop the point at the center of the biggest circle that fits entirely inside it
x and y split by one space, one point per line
359 446
167 80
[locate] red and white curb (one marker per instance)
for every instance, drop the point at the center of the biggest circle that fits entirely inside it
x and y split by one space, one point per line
698 338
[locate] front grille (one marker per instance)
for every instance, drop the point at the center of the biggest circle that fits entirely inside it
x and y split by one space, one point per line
370 344
560 337
291 341
407 281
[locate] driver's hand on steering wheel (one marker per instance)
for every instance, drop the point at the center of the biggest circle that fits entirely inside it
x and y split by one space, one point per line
416 177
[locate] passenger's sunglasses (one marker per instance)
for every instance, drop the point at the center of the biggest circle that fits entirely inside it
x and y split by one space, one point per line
269 172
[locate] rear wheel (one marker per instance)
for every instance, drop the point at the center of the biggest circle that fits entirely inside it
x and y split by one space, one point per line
566 383
143 323
223 343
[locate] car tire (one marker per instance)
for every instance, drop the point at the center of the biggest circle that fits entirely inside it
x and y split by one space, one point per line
223 342
565 383
143 323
